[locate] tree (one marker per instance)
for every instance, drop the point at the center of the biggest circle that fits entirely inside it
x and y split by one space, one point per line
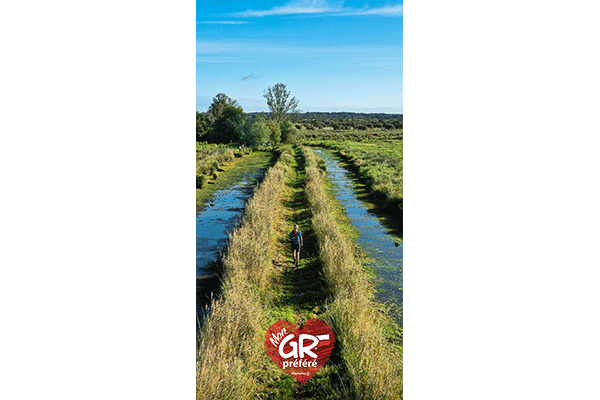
256 132
229 127
215 111
277 100
202 126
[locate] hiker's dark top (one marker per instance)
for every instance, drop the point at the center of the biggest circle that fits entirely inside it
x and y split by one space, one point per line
295 237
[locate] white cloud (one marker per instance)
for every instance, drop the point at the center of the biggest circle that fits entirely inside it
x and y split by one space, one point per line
388 10
295 7
284 10
321 7
223 22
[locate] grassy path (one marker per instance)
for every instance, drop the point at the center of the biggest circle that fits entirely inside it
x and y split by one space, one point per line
302 289
301 292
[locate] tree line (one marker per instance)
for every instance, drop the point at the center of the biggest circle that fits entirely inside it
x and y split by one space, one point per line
346 124
343 120
226 122
346 115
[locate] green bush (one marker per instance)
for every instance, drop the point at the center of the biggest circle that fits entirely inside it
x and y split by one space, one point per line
275 136
288 131
201 181
256 133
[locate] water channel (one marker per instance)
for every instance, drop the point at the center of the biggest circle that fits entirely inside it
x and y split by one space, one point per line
219 216
383 249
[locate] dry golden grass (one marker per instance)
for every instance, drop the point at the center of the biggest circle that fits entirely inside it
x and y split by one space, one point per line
231 362
374 365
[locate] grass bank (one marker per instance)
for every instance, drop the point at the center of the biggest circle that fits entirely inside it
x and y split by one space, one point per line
232 171
377 163
373 361
231 361
211 157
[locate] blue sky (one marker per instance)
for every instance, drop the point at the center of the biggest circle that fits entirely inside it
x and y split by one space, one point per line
331 55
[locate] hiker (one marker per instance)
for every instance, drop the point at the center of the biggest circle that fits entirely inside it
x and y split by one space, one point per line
297 242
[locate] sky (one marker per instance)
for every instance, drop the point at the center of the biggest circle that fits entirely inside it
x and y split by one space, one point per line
331 55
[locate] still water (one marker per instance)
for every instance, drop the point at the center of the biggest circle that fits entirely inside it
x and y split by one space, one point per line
374 239
220 216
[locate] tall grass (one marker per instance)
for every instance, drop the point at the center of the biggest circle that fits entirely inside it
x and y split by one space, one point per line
381 172
231 362
374 365
209 158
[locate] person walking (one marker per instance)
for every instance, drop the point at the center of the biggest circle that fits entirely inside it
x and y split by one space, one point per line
297 243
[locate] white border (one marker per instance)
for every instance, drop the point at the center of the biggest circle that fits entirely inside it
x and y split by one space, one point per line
502 215
98 200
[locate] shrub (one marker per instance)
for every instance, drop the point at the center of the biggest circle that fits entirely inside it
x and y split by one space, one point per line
200 181
275 135
288 131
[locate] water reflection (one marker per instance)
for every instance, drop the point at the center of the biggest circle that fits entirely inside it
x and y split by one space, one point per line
219 217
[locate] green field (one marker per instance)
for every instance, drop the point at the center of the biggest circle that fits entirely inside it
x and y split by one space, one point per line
333 282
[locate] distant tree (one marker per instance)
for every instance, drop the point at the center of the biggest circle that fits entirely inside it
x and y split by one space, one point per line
229 127
218 105
277 100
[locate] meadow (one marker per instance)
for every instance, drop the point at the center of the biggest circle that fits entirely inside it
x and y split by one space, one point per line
259 284
376 157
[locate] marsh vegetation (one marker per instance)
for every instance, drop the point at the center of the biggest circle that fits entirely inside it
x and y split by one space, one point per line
255 281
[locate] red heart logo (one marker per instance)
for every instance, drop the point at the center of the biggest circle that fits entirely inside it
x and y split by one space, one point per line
300 352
